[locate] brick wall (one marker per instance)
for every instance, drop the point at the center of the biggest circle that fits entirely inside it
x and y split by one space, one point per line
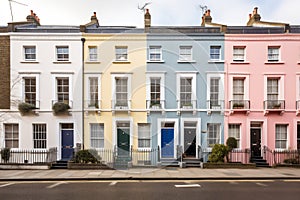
4 72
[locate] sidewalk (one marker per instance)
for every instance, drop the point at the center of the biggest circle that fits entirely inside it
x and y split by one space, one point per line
150 174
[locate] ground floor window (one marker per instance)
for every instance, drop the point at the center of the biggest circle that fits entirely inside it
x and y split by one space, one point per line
144 138
234 131
213 134
11 135
39 136
281 136
97 135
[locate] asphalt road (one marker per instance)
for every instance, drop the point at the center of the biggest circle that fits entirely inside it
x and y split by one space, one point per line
140 190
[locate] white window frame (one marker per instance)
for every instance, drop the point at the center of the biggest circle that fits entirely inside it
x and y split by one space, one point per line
220 76
280 139
193 76
246 78
238 54
239 134
34 134
113 83
37 80
99 137
183 53
281 80
122 55
273 56
13 138
220 130
155 50
148 137
64 58
161 76
30 53
219 47
87 88
54 81
93 56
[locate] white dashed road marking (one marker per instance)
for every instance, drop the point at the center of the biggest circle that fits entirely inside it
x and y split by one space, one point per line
7 184
55 185
261 184
113 183
188 186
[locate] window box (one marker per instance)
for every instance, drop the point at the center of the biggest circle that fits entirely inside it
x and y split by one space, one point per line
26 108
60 108
238 105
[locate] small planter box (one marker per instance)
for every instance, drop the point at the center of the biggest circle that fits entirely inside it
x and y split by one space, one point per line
72 165
229 165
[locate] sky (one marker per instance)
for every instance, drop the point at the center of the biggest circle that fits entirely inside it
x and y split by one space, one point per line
163 12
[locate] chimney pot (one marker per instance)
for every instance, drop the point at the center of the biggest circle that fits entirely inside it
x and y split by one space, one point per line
95 14
250 15
147 20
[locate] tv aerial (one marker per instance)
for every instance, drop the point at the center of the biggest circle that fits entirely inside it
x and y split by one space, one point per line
143 8
11 11
203 8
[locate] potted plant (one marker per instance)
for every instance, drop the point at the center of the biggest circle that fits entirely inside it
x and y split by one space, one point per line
238 105
155 105
187 105
276 105
25 108
93 105
60 108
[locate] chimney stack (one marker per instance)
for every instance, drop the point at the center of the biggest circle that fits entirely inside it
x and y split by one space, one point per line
147 20
33 18
206 18
256 16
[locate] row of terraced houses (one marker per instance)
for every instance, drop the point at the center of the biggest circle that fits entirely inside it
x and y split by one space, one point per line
160 92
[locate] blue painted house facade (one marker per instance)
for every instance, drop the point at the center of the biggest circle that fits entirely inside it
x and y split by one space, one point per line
184 89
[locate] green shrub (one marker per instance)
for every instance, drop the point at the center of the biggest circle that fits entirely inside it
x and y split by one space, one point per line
231 143
60 107
25 108
291 161
219 152
87 156
5 154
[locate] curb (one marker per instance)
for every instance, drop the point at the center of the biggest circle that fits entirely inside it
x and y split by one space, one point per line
150 178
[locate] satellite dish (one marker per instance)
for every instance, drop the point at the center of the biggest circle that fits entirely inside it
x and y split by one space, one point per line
11 11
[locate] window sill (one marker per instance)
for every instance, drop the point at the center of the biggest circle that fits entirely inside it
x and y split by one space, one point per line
30 61
155 61
242 62
121 62
92 62
62 62
186 61
274 63
216 61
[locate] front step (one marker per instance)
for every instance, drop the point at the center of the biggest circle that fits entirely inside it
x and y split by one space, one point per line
121 162
259 161
169 162
191 162
61 164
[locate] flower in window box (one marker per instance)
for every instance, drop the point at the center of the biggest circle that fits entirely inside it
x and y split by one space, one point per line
26 108
155 104
238 105
60 108
187 105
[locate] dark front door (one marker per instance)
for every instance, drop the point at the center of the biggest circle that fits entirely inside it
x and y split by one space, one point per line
190 142
167 143
255 142
67 142
123 141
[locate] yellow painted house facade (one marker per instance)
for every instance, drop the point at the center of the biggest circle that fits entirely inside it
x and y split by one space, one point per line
114 84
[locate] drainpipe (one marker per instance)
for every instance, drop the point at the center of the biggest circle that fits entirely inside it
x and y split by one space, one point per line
82 98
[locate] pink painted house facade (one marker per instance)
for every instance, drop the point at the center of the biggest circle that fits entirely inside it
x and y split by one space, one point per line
262 80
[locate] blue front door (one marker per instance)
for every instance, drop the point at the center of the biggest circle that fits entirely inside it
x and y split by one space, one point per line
67 143
167 143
